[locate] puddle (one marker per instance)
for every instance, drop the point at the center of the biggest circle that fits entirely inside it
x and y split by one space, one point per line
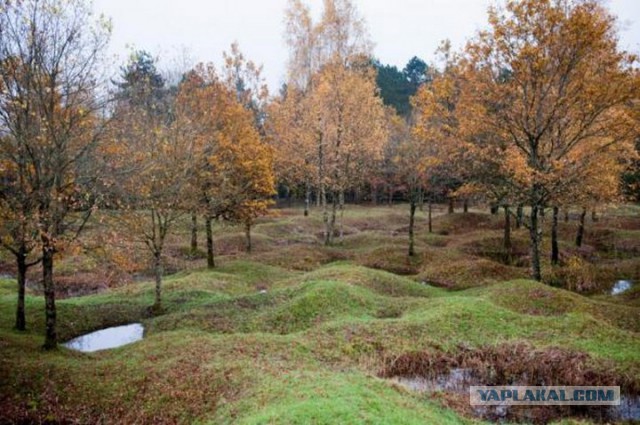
629 409
107 338
621 287
458 380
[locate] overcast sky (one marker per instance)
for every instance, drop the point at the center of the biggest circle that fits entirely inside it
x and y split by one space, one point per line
400 29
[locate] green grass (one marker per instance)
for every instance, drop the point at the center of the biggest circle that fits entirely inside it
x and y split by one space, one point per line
310 348
8 287
347 398
379 281
534 298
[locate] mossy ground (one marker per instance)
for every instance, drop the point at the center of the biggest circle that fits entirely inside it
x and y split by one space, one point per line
311 348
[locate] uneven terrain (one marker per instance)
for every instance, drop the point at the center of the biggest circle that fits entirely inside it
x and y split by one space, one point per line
299 333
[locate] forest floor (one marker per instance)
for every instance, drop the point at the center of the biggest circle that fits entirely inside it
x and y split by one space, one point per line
299 333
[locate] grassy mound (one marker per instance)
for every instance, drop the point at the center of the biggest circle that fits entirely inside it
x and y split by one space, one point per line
299 333
448 224
475 318
462 273
255 273
392 258
295 229
535 298
379 281
342 321
141 383
302 257
322 301
283 311
330 398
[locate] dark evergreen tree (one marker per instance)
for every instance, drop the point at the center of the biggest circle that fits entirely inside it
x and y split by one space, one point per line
397 87
141 84
416 73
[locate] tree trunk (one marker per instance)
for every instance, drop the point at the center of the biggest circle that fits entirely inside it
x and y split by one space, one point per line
534 234
566 215
451 206
210 258
331 222
465 206
307 199
247 233
357 196
507 234
374 194
519 216
322 199
412 214
341 200
429 213
194 232
542 212
421 199
157 270
580 234
51 337
594 215
21 321
494 209
555 253
325 216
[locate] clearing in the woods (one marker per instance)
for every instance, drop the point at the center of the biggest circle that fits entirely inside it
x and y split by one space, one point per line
297 332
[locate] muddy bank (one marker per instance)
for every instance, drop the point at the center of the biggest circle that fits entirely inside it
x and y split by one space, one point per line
447 376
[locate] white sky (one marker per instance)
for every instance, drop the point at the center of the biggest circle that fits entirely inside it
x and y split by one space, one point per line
400 29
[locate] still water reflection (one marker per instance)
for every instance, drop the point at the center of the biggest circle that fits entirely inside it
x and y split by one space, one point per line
107 338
